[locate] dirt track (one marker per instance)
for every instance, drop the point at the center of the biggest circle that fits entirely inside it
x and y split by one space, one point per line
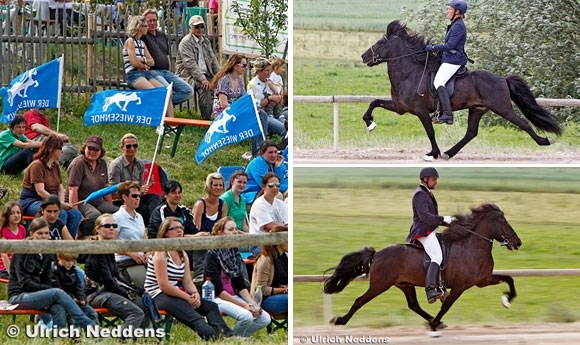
554 333
412 156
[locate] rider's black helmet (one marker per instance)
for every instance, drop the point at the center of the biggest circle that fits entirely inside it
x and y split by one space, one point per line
428 172
458 5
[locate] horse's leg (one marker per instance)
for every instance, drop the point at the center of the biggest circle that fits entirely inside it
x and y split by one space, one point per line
382 103
473 119
447 303
498 278
428 126
413 303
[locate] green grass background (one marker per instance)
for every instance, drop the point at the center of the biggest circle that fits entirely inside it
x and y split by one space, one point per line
338 210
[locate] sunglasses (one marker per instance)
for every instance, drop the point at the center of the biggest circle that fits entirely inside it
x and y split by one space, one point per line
93 148
128 146
180 227
110 225
244 65
199 26
135 196
143 25
272 185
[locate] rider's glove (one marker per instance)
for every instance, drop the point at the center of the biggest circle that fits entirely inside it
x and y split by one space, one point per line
449 219
429 48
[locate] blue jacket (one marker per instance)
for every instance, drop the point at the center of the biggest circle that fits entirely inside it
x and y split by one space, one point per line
257 168
426 216
454 47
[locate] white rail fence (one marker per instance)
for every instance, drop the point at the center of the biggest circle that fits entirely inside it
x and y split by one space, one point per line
335 100
327 299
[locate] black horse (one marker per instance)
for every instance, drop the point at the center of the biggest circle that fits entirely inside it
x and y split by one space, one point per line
470 263
409 69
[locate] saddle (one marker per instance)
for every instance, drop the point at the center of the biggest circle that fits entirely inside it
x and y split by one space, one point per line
450 86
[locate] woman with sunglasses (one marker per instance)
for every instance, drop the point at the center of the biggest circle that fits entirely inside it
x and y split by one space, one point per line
127 167
86 174
169 282
132 265
268 211
228 84
43 179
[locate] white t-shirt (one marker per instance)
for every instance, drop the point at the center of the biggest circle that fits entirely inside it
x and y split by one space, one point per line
263 213
278 82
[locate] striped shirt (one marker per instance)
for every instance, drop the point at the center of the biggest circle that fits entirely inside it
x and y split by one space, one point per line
139 51
175 274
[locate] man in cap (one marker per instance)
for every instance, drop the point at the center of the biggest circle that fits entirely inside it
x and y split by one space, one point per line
197 63
158 46
426 219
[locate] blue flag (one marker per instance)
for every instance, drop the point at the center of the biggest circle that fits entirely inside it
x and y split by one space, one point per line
238 122
136 107
35 88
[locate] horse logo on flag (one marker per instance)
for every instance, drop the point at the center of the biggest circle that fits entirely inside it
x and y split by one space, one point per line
219 125
121 97
20 87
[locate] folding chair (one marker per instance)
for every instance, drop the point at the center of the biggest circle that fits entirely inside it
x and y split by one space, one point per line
278 321
227 171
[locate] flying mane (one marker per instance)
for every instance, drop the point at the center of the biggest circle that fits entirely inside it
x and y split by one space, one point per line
414 42
456 231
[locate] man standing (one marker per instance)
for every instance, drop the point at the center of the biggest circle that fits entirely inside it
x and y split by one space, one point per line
158 47
197 64
38 128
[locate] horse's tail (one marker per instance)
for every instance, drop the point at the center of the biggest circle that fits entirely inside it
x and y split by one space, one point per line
351 266
522 96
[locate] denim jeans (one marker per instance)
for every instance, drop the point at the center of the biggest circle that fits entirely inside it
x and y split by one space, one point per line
276 304
71 218
17 162
59 304
246 324
181 91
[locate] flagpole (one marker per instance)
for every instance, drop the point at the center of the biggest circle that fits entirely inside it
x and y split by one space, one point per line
162 132
60 74
258 116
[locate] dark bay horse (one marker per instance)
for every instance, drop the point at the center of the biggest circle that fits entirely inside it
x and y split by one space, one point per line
409 69
470 263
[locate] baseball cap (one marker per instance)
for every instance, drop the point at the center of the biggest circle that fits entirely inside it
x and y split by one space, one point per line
196 20
95 140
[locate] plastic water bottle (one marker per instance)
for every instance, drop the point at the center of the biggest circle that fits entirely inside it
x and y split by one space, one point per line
208 290
258 298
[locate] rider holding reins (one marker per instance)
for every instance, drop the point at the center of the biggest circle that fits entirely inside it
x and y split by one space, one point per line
453 56
426 219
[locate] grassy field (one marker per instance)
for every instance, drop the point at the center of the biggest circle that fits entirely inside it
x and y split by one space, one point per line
349 208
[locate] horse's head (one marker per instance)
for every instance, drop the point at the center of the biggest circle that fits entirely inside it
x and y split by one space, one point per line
501 230
397 42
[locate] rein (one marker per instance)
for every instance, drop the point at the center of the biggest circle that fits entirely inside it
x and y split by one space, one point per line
505 241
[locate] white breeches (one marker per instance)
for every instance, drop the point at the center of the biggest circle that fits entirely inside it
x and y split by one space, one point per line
432 247
444 73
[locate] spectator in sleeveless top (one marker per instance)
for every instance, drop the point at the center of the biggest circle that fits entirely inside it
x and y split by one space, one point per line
49 210
12 229
235 202
128 167
232 288
169 282
137 59
207 211
268 161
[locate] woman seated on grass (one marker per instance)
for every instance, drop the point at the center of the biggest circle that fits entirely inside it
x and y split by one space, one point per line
232 288
169 282
12 229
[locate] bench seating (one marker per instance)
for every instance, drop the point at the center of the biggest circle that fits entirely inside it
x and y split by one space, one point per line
175 125
105 318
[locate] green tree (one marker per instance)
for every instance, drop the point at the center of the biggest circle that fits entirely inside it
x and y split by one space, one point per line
262 21
537 39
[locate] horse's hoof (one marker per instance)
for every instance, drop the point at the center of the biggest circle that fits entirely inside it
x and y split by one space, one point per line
434 334
445 156
551 141
428 158
332 321
442 325
372 126
505 301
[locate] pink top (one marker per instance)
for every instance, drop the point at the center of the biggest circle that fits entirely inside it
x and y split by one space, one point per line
227 283
213 4
9 235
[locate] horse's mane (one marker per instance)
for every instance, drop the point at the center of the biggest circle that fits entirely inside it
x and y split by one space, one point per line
414 42
456 231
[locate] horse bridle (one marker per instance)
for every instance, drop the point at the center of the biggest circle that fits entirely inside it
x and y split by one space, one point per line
505 241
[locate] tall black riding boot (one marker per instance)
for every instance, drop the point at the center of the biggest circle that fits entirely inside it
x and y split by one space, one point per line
431 282
445 100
